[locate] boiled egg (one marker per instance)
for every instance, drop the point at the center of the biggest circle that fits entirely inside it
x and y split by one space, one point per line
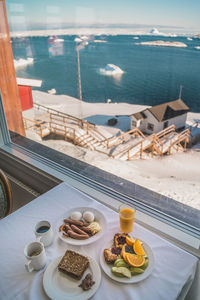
76 215
88 216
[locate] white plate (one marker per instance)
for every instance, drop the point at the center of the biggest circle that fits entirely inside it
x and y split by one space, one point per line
107 267
60 286
99 217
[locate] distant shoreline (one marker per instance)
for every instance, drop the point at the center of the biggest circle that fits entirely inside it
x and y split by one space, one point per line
97 32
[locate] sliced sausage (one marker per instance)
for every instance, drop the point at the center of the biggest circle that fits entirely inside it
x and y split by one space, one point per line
88 230
66 227
77 236
78 230
69 221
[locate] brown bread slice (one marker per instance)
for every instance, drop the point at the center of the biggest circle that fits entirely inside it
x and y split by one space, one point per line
73 264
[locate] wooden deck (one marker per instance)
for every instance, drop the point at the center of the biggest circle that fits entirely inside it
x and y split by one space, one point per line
126 146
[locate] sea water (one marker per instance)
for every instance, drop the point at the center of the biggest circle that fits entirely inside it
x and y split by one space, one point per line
151 74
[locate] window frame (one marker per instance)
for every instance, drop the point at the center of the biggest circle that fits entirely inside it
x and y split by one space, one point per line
147 215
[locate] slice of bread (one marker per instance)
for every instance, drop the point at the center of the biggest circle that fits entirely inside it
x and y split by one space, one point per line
73 264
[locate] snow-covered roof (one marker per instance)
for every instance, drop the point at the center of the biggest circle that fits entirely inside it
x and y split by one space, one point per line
29 82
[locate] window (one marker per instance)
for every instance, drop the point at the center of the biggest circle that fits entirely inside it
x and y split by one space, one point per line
143 114
134 123
150 126
77 77
165 125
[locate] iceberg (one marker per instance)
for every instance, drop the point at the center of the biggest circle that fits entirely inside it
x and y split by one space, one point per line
111 70
100 41
52 91
163 44
197 47
23 62
154 31
58 40
77 40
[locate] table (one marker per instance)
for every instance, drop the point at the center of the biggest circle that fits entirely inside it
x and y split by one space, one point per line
172 275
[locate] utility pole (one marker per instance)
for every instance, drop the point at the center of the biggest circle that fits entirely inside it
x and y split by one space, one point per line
79 72
180 91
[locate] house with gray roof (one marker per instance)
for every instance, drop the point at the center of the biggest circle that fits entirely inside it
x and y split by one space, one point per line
159 117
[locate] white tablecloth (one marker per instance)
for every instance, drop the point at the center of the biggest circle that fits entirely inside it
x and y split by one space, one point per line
174 268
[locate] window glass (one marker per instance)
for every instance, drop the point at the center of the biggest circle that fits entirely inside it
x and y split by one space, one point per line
83 68
150 126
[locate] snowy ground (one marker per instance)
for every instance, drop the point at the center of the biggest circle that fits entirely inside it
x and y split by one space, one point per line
176 176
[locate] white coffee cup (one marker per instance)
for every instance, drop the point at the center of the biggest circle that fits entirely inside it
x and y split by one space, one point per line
35 253
44 233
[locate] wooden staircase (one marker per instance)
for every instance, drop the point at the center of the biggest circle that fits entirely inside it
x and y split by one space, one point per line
80 132
160 143
125 146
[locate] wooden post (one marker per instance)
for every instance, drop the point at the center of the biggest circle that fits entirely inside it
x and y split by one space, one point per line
74 137
8 84
185 144
128 154
141 150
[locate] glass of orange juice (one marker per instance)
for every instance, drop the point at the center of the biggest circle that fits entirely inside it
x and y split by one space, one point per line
127 216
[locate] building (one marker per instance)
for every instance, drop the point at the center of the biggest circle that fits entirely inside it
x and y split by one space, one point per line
159 117
25 91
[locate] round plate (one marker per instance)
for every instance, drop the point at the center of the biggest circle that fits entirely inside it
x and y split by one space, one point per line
99 217
60 286
107 267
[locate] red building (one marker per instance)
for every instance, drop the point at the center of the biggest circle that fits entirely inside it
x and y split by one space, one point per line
25 91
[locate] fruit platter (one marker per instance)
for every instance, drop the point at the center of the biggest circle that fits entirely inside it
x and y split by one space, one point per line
127 259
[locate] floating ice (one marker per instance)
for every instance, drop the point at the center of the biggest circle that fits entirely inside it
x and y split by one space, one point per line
52 91
111 70
163 44
58 40
100 41
197 47
77 40
154 31
136 38
23 62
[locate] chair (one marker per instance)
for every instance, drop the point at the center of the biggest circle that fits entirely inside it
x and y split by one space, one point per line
6 201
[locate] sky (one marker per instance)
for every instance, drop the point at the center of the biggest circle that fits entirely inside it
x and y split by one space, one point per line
42 14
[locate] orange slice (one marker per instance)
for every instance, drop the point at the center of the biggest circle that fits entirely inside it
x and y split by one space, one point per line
130 241
135 260
124 252
137 247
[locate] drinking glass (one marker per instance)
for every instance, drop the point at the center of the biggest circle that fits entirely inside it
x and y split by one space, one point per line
127 216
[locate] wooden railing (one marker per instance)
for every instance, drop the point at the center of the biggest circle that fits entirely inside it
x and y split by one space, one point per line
182 136
166 131
116 140
56 112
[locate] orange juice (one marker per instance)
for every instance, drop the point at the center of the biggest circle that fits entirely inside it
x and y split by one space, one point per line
127 216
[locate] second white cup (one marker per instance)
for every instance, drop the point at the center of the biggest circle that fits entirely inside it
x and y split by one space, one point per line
44 233
36 256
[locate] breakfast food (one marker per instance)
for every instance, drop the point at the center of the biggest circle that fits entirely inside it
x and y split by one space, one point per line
87 282
80 228
88 216
76 215
127 256
73 264
112 254
120 239
95 227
